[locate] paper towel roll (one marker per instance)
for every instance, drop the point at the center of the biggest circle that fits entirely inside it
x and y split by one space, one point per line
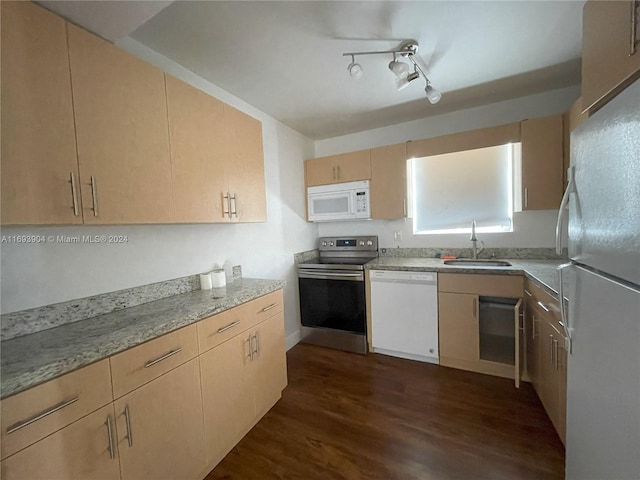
218 278
206 282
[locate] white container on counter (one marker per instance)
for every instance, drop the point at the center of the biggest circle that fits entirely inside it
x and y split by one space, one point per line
218 278
206 281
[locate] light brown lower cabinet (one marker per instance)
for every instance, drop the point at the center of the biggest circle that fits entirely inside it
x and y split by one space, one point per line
241 380
159 427
546 354
468 341
175 423
82 450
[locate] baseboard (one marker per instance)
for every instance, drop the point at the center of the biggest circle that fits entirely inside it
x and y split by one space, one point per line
293 339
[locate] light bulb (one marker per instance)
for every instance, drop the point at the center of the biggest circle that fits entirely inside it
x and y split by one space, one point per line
433 95
400 69
355 69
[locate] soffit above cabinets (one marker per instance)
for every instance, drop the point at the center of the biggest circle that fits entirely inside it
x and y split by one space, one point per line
285 58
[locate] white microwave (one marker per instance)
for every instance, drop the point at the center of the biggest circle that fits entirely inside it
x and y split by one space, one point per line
341 201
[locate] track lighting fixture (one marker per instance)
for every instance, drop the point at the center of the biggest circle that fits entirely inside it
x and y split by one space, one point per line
355 70
400 69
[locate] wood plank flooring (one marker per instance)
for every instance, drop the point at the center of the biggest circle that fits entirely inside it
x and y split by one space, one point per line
347 416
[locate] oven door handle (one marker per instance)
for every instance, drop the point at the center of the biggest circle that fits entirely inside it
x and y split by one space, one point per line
356 276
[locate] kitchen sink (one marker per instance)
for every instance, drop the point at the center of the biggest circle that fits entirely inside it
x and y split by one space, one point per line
477 263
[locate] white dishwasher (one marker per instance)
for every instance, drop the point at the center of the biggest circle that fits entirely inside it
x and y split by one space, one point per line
404 314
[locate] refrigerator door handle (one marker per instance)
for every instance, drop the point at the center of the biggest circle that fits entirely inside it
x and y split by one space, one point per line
564 208
563 311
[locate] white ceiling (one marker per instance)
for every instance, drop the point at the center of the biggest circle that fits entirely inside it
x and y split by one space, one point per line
285 57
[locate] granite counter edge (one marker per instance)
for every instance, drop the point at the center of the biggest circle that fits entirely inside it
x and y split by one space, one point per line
55 369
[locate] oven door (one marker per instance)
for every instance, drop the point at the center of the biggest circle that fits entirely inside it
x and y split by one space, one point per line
333 300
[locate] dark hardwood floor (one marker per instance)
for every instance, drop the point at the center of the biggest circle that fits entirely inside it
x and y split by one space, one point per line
347 416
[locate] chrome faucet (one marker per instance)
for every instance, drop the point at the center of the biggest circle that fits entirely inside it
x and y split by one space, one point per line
474 240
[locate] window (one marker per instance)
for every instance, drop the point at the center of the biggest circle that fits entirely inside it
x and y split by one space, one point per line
449 191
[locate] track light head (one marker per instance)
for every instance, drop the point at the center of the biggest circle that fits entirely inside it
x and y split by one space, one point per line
400 69
404 82
433 95
355 69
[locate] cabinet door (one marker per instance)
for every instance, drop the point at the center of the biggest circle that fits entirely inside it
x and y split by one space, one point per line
458 327
270 363
244 166
548 386
38 135
229 408
561 427
85 449
353 166
519 335
532 343
542 156
196 131
320 171
161 433
608 61
122 134
389 182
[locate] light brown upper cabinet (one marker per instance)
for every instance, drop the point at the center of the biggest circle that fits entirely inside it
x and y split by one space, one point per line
196 131
389 182
216 158
610 50
121 128
346 167
542 163
459 142
39 162
244 167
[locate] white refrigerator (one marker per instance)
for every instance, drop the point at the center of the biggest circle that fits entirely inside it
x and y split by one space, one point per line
602 284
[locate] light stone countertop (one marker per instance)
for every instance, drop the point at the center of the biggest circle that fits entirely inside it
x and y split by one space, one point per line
542 271
32 359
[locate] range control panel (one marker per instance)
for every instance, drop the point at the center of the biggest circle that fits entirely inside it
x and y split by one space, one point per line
347 244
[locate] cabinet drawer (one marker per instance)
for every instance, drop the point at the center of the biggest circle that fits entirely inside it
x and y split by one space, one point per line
143 363
509 286
544 302
35 413
214 330
265 307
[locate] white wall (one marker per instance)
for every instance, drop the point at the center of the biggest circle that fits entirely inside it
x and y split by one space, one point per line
531 229
42 274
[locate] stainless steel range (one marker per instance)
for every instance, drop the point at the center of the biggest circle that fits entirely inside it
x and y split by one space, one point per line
332 293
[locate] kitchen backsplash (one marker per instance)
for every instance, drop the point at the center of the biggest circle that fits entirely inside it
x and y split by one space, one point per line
528 253
37 319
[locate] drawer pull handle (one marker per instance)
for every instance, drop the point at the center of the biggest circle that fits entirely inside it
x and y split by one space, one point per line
40 416
94 196
256 350
528 293
112 452
544 307
127 420
634 7
269 307
74 195
227 327
250 342
151 363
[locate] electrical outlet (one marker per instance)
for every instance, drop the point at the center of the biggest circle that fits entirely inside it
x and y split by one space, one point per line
397 236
